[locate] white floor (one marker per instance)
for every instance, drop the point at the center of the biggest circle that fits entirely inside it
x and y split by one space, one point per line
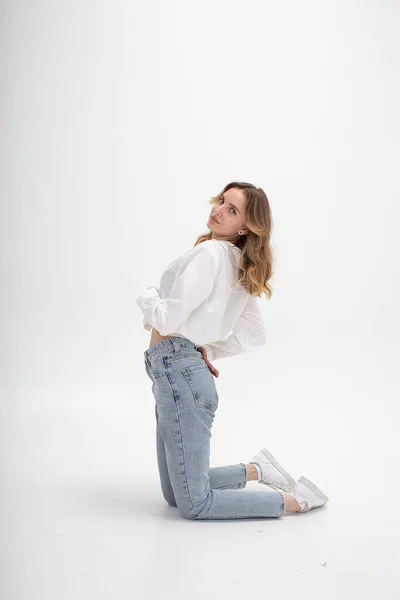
83 517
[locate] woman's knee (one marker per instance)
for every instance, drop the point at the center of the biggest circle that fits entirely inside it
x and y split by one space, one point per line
170 500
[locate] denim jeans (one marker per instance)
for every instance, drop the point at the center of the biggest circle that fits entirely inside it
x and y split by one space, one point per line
186 401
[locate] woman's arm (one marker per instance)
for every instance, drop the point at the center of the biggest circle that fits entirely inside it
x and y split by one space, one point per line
190 288
248 334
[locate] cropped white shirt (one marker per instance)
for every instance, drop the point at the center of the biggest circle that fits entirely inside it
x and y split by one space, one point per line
197 301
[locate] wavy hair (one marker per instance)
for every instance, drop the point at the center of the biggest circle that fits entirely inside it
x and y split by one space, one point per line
257 256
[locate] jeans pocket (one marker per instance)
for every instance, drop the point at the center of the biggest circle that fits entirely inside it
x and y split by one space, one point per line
202 385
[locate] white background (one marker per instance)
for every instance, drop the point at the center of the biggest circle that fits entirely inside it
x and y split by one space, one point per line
119 120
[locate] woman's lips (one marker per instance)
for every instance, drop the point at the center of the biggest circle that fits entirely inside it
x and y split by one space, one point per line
214 219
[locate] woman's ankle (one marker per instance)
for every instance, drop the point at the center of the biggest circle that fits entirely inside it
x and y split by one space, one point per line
252 474
291 505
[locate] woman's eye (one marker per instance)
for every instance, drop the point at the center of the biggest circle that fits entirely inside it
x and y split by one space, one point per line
234 211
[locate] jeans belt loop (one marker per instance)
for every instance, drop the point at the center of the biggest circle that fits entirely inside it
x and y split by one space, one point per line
176 344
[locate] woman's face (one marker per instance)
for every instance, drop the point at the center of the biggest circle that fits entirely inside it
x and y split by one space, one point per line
228 211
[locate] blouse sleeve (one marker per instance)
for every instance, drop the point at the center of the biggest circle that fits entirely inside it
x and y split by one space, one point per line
248 334
190 288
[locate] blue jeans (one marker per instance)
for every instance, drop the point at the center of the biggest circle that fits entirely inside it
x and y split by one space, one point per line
186 401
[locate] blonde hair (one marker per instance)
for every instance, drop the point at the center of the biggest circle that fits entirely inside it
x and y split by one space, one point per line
257 257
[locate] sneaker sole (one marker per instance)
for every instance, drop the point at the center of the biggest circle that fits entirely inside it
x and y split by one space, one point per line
274 484
313 488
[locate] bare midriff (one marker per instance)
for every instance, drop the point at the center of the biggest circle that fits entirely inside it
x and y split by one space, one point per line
157 337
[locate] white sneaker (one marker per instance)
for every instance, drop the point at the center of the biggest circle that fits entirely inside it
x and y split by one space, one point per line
306 491
272 473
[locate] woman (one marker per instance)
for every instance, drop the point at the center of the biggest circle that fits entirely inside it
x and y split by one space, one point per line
206 309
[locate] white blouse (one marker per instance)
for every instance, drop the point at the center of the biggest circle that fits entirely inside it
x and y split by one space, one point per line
196 301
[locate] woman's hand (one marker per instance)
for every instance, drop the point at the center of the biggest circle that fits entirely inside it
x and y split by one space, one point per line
213 370
153 286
